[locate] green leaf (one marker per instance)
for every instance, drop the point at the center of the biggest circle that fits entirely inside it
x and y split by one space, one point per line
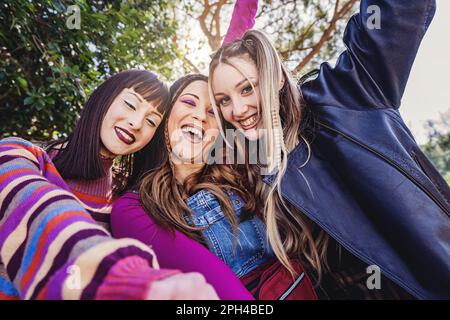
28 101
22 82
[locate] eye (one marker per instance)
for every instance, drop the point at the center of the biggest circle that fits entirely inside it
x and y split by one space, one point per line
152 122
223 102
189 102
130 105
211 112
248 89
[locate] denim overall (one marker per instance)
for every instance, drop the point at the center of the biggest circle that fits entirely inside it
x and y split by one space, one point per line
242 255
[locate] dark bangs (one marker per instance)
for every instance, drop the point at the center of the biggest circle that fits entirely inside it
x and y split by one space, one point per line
154 92
80 156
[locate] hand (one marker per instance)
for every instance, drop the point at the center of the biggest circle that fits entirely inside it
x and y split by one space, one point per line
185 286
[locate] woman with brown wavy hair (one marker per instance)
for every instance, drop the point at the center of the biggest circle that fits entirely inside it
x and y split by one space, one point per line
187 203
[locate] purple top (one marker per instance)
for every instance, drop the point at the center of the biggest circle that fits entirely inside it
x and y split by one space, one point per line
174 249
243 19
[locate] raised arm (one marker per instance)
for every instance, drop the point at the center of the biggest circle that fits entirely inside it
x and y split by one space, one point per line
382 41
50 246
174 250
243 19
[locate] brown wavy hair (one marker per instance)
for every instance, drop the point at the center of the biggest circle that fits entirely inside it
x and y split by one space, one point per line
164 197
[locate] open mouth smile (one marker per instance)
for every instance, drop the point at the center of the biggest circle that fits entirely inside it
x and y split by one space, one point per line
193 133
249 122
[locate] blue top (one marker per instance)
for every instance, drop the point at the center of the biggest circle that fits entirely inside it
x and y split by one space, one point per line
242 255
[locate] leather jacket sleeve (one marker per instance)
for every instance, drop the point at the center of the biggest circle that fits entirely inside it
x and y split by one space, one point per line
381 42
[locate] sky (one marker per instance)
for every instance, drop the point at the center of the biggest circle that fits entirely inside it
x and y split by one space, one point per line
428 90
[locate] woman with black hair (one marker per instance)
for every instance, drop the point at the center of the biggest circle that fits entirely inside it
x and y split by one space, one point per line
120 119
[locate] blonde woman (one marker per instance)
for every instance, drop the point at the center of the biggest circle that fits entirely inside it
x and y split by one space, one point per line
349 190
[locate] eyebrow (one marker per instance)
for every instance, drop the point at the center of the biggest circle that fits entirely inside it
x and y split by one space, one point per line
158 114
237 85
191 94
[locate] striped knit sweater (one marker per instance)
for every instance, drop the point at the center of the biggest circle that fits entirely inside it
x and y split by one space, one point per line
94 195
51 247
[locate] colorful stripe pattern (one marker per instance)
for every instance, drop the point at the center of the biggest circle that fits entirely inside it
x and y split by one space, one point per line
94 195
50 246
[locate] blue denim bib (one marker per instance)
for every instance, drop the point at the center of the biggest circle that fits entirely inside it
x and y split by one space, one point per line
242 255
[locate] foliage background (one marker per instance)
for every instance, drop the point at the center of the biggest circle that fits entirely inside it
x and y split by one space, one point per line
48 70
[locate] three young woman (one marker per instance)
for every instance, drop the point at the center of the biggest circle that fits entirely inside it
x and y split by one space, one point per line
187 203
350 188
50 245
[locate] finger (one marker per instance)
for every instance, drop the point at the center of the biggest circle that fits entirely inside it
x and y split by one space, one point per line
161 290
196 278
210 293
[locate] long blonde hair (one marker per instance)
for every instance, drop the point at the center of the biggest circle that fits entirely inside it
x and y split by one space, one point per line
289 231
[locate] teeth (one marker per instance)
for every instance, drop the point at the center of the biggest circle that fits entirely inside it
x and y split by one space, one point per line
249 122
125 135
195 131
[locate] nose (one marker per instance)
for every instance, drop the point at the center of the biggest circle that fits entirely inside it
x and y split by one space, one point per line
200 113
239 108
135 121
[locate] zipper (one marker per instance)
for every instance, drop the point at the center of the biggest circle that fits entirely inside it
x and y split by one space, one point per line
292 287
418 184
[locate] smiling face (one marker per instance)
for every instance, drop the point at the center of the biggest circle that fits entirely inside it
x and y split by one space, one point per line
192 126
129 124
237 100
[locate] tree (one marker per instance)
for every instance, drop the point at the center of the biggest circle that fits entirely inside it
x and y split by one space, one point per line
438 146
48 69
306 32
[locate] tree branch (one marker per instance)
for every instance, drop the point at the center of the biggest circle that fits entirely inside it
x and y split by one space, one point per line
264 9
298 43
202 20
214 39
191 64
337 15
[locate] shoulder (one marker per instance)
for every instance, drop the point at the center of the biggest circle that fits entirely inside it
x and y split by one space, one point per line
126 207
18 141
127 199
206 199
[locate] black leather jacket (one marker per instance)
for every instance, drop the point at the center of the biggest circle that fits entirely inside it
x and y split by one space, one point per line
370 186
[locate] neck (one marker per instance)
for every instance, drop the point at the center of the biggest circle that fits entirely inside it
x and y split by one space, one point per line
106 154
183 170
110 157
